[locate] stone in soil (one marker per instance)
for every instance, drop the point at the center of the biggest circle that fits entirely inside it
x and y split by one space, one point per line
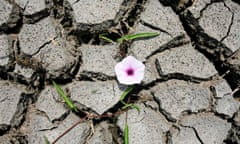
219 20
55 54
5 11
31 6
209 128
25 72
148 126
58 57
99 59
232 40
198 7
41 127
4 50
176 97
227 105
49 103
215 20
33 36
151 73
164 17
98 96
161 17
102 134
184 135
95 11
222 88
185 60
10 106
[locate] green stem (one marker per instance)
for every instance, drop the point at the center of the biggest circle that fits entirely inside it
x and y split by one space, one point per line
126 134
125 93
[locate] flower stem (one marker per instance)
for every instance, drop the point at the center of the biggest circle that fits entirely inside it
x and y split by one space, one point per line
125 93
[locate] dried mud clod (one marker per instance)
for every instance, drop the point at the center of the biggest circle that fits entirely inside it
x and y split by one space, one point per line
192 70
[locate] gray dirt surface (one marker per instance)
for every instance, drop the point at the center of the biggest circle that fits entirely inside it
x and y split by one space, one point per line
190 93
5 11
4 50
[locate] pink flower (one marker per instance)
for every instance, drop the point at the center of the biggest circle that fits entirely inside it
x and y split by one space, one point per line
130 71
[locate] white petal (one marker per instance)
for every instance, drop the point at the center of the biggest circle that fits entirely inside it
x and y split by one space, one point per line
139 73
136 65
128 60
129 80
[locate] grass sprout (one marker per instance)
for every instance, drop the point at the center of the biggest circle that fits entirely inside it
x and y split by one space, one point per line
130 36
124 94
46 140
137 36
103 36
126 141
65 98
132 106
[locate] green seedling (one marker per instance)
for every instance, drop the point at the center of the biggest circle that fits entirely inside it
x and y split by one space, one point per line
137 36
65 98
125 93
46 140
132 106
103 36
130 36
126 134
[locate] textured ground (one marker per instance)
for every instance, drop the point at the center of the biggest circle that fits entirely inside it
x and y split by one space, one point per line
189 95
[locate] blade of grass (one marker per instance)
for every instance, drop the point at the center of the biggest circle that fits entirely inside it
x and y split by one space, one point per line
136 107
126 134
126 106
125 93
137 36
132 106
102 36
65 98
46 140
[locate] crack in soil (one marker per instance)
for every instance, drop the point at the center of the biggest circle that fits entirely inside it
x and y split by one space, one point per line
124 21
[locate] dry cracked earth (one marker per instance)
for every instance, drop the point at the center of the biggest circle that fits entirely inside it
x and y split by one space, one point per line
189 95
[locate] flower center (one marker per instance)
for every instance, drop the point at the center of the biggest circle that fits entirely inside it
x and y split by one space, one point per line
130 72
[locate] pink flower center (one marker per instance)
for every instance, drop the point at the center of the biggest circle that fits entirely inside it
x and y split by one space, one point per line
130 72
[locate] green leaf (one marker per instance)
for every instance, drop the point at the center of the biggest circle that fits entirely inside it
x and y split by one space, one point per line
137 36
46 140
132 106
126 134
136 107
126 106
102 36
65 98
125 93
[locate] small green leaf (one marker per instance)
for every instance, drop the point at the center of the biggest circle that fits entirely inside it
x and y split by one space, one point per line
102 36
132 106
125 93
46 140
126 106
137 36
65 98
136 107
126 134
